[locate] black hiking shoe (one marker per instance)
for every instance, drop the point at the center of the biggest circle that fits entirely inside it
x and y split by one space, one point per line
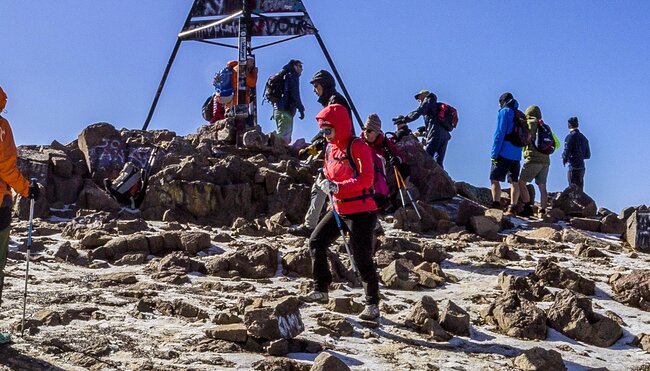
496 205
301 231
527 212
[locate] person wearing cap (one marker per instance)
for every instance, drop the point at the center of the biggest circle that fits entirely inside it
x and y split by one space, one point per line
505 155
576 151
285 109
436 136
10 178
353 203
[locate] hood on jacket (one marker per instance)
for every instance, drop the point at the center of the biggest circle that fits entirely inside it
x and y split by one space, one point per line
324 79
337 117
289 66
533 111
3 99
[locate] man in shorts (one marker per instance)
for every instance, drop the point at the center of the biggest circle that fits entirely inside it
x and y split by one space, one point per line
536 165
505 155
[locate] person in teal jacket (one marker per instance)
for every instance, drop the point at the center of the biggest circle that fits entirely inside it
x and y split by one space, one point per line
505 155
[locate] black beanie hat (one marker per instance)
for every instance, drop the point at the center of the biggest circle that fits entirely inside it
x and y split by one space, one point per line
324 78
573 122
505 98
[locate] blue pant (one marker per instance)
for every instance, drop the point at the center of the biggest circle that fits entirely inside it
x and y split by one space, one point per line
437 147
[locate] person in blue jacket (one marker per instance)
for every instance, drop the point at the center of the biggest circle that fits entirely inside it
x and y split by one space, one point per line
505 156
576 151
285 109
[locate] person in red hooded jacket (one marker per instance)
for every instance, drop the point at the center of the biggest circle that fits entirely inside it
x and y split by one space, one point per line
350 191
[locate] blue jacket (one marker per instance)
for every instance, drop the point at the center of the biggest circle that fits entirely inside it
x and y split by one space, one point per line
576 150
290 100
505 125
429 109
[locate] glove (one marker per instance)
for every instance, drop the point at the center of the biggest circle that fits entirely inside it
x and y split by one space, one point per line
328 187
333 187
33 190
302 115
395 161
310 150
494 161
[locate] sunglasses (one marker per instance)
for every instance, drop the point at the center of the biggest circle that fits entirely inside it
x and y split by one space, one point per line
326 131
368 130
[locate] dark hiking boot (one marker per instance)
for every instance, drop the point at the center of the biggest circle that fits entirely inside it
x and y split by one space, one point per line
301 230
370 313
512 210
495 205
315 297
527 212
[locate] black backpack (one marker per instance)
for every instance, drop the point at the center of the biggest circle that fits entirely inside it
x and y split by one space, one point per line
274 89
208 107
130 186
544 141
520 135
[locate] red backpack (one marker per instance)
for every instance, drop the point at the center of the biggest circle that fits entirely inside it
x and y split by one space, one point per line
447 116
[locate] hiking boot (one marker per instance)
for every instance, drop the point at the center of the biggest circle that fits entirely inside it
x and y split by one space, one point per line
379 230
301 230
527 211
496 205
315 297
512 210
370 312
542 213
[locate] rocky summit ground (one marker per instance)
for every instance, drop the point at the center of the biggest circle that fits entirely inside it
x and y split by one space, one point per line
205 276
163 314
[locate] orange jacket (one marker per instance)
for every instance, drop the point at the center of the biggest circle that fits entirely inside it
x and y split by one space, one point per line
251 80
10 176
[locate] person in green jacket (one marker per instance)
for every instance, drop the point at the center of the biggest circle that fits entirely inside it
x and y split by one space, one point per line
536 166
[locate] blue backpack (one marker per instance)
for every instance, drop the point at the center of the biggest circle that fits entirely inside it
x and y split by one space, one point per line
223 82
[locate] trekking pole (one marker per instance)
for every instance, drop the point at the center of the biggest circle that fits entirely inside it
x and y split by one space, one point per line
408 193
345 242
30 227
399 187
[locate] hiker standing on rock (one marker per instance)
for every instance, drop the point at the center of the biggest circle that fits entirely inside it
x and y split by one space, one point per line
353 204
436 135
325 88
10 177
576 151
285 108
505 155
536 165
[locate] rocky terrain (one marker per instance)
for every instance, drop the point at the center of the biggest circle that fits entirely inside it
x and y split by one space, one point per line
206 275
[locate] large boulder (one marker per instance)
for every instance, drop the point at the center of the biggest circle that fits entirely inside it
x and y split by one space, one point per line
556 276
455 319
431 181
572 315
632 288
540 359
637 231
103 149
280 320
574 202
256 261
611 223
517 317
480 195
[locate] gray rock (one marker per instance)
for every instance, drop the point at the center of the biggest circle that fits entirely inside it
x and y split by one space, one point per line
517 317
556 276
235 332
400 275
455 319
575 202
638 230
540 359
327 362
633 288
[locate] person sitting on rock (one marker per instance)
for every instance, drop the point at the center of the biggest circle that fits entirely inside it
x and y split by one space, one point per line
353 205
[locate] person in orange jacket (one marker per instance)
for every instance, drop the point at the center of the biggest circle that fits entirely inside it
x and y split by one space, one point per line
251 79
10 177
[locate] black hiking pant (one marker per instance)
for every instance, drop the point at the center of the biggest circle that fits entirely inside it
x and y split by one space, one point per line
361 231
577 177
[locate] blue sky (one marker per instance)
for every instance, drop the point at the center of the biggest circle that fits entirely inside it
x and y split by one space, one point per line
69 63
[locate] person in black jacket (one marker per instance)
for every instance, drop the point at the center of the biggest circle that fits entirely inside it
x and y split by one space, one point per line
325 88
285 109
436 136
576 151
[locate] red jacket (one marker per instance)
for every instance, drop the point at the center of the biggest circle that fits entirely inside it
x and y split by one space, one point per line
337 168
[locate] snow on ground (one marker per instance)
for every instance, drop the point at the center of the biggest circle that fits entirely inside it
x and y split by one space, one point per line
167 342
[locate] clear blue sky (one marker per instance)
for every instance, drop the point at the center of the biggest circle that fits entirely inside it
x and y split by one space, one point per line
68 63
